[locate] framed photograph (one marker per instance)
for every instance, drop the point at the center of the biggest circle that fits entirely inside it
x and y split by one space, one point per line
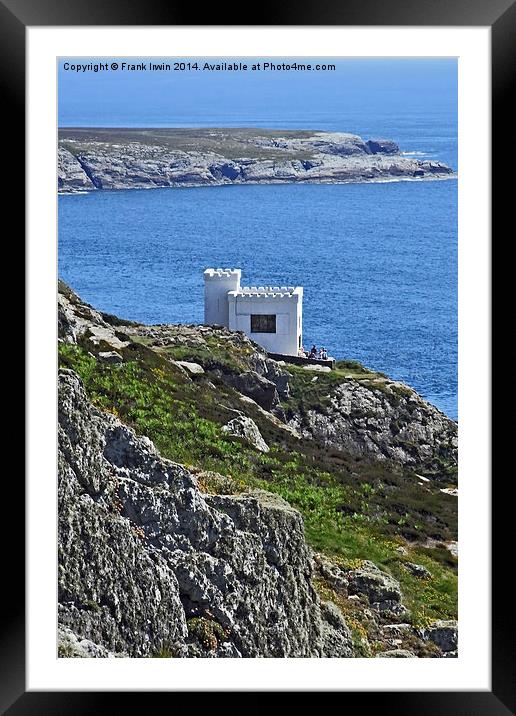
258 367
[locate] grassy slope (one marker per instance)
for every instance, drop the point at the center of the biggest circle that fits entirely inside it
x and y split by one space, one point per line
353 509
231 143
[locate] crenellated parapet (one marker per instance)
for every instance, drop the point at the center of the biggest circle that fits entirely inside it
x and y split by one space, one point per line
226 274
247 293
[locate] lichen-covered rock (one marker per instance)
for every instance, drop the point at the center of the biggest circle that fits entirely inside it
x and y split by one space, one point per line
443 634
385 422
332 573
76 319
149 566
396 654
365 581
70 646
337 638
378 586
255 386
418 570
192 368
110 357
271 370
65 326
244 427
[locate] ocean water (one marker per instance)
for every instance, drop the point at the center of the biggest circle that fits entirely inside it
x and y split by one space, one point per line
378 262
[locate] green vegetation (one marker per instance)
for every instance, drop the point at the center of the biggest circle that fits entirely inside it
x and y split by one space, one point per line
65 651
207 631
218 353
353 508
311 389
353 614
234 143
163 653
92 605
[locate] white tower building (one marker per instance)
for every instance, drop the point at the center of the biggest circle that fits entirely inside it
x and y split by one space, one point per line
217 284
272 316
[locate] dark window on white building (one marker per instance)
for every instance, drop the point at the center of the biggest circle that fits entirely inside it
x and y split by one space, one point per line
263 324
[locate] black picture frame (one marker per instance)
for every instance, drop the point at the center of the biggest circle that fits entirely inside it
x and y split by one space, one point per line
500 16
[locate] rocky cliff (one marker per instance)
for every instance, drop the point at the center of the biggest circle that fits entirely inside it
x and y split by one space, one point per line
90 159
148 565
202 513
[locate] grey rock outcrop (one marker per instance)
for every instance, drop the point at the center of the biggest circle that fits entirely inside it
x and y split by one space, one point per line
148 565
110 357
379 588
382 146
337 637
382 590
373 598
69 645
245 427
443 634
387 421
70 173
396 654
99 159
192 368
76 319
334 574
262 390
272 371
418 570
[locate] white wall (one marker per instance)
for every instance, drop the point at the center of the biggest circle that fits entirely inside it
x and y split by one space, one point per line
299 326
217 283
288 311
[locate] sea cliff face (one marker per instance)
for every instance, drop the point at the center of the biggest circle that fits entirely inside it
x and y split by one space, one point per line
204 512
93 159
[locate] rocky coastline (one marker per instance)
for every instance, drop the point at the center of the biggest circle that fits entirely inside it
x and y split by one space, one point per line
109 159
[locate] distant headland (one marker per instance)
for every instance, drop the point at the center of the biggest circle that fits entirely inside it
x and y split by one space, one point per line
111 158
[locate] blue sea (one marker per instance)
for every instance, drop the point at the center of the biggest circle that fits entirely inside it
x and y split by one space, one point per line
378 262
